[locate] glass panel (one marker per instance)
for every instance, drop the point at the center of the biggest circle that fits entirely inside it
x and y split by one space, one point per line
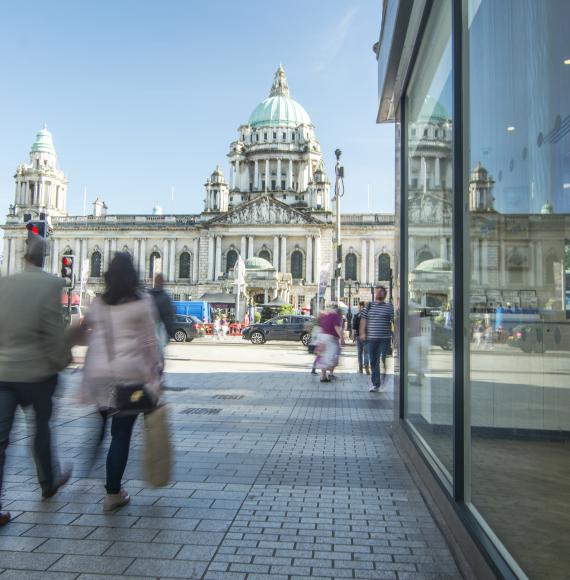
519 201
429 385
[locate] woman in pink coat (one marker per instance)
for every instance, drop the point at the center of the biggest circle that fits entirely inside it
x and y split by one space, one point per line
123 349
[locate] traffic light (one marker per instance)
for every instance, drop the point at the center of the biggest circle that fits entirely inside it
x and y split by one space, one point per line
36 228
68 270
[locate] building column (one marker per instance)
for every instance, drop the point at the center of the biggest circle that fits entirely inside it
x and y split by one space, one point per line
218 267
172 261
55 256
6 263
437 173
443 248
275 260
211 264
232 181
283 261
267 176
195 259
411 253
317 268
165 262
309 265
77 252
424 173
114 246
539 268
300 176
278 181
290 175
142 263
256 175
371 264
12 248
243 247
250 253
484 261
265 296
363 262
236 175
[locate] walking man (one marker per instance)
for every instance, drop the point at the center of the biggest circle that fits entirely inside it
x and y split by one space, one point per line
376 324
363 359
32 352
165 309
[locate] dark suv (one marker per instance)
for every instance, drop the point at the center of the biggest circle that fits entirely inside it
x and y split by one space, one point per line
288 327
187 328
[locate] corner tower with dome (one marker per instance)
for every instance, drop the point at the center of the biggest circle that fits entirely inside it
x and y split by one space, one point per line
269 205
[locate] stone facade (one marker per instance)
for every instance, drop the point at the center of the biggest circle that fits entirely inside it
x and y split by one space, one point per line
276 207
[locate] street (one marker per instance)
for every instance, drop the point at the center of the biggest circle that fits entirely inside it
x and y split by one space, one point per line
276 476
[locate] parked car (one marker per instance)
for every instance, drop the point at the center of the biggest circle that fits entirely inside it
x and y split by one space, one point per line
187 328
540 337
289 327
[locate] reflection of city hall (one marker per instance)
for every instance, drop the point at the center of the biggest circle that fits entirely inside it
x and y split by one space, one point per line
274 212
515 260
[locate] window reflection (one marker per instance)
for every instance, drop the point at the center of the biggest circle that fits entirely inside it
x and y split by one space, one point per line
519 153
429 392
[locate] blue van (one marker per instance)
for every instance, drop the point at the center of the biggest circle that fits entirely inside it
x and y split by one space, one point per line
199 309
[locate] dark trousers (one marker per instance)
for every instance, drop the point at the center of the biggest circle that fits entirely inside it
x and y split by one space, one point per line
363 358
118 455
39 396
378 349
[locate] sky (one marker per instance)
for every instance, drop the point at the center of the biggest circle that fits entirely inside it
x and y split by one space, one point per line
143 97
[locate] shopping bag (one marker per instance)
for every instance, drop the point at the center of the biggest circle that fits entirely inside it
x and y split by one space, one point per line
157 447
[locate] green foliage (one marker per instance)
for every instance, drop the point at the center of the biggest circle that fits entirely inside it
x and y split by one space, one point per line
257 316
288 309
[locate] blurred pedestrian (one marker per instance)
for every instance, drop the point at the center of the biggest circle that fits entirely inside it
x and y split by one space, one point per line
33 351
328 347
315 330
123 350
217 328
376 329
165 309
362 349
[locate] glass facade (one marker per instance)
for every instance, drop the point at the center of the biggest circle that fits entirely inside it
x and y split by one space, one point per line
489 409
428 102
518 194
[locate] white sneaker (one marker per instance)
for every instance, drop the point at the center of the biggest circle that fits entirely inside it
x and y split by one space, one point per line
113 501
373 389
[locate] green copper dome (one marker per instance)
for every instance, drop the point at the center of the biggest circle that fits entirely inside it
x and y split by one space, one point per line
433 111
279 109
44 141
256 263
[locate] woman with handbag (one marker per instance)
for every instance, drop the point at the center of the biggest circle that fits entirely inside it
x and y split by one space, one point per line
122 366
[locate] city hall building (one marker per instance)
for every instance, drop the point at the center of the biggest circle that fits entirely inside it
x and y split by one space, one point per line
274 210
479 92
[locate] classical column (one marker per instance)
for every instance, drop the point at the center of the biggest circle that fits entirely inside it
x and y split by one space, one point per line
165 261
55 257
300 176
142 263
256 175
275 260
317 269
77 253
371 259
250 253
424 173
283 264
232 181
236 175
278 182
363 262
195 259
172 261
12 248
539 269
290 175
411 253
6 263
437 173
211 264
113 246
443 248
476 248
309 265
267 176
243 249
218 255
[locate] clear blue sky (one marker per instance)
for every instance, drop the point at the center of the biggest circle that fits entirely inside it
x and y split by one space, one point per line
142 96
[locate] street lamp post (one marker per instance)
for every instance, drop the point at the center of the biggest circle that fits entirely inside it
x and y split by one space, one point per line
338 193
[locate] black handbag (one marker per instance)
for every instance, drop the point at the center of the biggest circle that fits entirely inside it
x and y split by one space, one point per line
127 399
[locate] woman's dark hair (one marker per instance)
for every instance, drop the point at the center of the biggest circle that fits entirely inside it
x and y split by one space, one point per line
121 280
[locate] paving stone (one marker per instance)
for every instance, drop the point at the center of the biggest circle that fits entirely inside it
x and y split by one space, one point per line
92 564
24 561
79 547
167 568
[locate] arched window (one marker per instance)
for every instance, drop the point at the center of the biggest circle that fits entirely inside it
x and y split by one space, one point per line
350 267
516 265
184 265
297 265
95 269
384 267
265 255
154 267
231 259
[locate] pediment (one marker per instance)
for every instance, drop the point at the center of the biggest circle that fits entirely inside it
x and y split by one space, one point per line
264 211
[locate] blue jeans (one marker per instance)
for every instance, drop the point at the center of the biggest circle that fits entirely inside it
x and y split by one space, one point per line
121 431
363 359
378 349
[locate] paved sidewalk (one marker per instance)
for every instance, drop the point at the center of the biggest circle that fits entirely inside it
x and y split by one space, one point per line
277 476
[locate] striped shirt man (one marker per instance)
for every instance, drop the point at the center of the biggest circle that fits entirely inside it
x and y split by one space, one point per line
379 318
